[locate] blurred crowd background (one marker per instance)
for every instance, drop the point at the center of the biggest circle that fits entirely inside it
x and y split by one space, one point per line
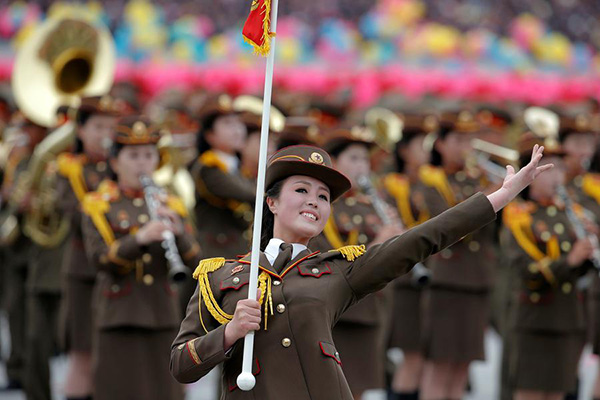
538 51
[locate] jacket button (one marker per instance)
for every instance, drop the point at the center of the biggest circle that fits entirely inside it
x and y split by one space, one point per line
276 283
143 218
286 342
236 280
474 246
534 297
115 288
138 202
148 279
280 308
567 287
315 270
146 258
565 246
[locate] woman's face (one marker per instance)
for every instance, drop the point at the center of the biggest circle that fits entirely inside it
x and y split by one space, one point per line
228 134
97 134
134 161
353 162
454 149
250 152
545 185
414 153
580 149
301 210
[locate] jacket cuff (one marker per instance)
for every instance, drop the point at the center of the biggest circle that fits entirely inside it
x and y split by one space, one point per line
124 251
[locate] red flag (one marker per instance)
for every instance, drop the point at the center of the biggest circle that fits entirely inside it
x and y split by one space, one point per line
257 29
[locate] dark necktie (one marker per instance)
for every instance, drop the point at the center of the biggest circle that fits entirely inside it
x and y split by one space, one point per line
283 258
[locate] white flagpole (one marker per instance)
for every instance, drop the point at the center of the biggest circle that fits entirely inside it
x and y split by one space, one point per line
246 380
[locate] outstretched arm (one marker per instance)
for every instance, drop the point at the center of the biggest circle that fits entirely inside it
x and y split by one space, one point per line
514 183
395 257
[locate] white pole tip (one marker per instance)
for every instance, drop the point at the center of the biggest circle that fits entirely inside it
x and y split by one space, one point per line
246 381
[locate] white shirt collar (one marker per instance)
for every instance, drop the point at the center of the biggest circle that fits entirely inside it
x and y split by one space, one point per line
272 250
231 161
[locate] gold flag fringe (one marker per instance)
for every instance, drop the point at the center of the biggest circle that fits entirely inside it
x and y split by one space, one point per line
264 49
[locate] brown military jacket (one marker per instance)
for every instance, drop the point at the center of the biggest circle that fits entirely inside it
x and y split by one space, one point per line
410 204
294 358
470 263
18 253
224 207
585 191
132 287
353 221
78 177
47 250
547 297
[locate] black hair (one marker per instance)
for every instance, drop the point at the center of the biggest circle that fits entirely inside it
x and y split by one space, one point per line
81 118
595 162
340 148
206 125
268 219
407 137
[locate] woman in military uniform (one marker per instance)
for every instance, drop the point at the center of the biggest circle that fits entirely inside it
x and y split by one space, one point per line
547 316
136 306
224 198
303 292
361 331
80 172
457 302
405 189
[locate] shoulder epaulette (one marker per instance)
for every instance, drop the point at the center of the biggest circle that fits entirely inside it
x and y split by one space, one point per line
396 184
176 204
210 159
109 190
517 217
352 252
435 177
95 202
96 205
68 163
591 186
208 265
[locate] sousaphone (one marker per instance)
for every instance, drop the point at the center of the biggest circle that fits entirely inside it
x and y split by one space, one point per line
63 60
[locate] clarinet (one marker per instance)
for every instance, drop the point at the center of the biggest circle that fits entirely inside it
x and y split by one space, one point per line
578 226
178 272
420 274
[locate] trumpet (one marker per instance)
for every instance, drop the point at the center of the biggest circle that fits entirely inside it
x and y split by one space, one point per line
420 274
178 272
578 226
481 158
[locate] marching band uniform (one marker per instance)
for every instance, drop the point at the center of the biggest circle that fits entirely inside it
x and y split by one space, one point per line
18 248
457 302
224 198
361 331
79 175
136 307
548 313
296 354
409 200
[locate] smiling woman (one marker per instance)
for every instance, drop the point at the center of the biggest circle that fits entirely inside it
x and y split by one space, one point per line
303 293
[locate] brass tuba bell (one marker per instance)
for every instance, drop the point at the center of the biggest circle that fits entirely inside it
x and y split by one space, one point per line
63 60
386 127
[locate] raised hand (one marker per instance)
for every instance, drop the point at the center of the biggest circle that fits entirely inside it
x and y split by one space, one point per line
514 183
